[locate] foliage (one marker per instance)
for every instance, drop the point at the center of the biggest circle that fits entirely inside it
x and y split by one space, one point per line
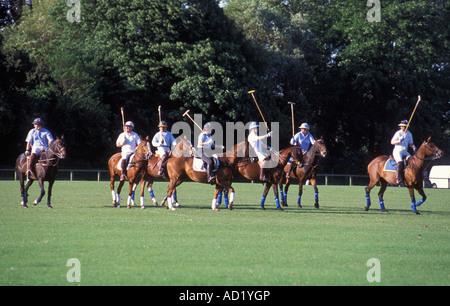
352 80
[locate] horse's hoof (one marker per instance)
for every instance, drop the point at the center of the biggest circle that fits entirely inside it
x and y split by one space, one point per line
280 209
417 213
263 208
384 210
50 207
35 203
366 208
316 206
142 207
128 206
216 209
25 206
299 206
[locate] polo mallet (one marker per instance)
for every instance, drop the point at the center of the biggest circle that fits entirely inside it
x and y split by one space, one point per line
159 113
251 92
186 113
123 118
418 100
292 115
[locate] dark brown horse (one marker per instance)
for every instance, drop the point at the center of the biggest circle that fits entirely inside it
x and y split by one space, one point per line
306 172
251 171
413 174
45 169
134 173
181 168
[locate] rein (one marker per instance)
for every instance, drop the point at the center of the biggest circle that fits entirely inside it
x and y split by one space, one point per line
47 162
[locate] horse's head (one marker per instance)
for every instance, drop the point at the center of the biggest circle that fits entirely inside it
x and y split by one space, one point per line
144 147
58 147
320 148
183 148
431 149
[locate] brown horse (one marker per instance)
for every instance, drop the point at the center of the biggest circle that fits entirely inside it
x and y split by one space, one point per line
181 168
306 172
45 169
152 171
413 174
251 171
134 173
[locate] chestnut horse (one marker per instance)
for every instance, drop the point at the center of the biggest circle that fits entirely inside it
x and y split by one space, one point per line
152 169
134 173
46 168
181 168
413 174
308 171
251 171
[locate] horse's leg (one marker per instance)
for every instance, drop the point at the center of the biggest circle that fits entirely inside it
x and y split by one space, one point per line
286 189
419 189
277 199
150 191
229 197
413 200
49 195
170 190
41 185
141 200
300 192
111 185
316 192
214 201
130 195
119 189
23 193
263 199
383 184
369 187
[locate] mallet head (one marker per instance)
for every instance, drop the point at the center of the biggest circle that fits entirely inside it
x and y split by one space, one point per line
251 91
185 113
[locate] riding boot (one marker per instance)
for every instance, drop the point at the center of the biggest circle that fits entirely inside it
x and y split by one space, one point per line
31 164
161 162
124 170
211 177
262 176
399 174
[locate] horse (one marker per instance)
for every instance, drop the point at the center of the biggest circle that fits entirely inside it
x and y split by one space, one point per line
137 163
306 172
152 172
413 174
46 169
251 170
181 168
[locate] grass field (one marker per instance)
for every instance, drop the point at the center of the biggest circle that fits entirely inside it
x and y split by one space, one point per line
246 246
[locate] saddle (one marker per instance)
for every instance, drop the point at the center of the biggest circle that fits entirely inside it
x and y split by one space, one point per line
391 164
200 166
127 163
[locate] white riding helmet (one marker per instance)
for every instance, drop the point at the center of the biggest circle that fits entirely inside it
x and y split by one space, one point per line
129 123
253 125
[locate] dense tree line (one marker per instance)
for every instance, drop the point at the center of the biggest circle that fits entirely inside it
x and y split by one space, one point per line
352 80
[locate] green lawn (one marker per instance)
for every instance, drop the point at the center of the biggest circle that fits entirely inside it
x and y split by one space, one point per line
246 246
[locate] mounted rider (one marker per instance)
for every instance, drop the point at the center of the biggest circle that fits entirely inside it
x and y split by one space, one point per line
255 142
128 142
38 140
163 141
401 140
304 140
205 145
